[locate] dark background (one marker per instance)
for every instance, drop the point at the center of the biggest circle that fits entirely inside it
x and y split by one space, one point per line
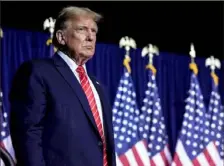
172 26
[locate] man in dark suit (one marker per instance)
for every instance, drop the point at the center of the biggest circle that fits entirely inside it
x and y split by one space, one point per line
60 116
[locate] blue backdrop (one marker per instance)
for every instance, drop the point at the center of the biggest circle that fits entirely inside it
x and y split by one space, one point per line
173 74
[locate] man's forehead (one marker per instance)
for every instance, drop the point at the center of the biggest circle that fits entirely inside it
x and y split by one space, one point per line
84 21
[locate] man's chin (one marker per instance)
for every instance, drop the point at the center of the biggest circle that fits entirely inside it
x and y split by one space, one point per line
87 57
88 54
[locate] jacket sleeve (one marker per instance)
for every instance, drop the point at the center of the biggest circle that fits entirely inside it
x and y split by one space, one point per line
28 103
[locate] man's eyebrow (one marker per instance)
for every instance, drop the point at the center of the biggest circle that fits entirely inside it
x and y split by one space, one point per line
84 26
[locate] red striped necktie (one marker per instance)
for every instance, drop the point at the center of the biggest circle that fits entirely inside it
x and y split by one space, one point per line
92 103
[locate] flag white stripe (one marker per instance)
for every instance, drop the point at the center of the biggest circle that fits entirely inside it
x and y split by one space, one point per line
202 159
131 158
212 150
118 161
184 159
9 147
168 154
1 163
143 153
158 160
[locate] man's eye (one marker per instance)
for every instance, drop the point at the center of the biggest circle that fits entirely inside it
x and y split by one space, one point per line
94 30
81 29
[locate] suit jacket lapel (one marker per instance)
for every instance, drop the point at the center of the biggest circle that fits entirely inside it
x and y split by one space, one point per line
67 74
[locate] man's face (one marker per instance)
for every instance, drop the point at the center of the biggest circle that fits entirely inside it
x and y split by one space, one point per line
80 37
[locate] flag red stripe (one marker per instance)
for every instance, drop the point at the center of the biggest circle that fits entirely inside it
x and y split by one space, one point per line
177 160
164 158
195 162
208 157
152 163
2 145
137 157
124 159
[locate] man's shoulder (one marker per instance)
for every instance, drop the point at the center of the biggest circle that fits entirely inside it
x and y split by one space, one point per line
34 67
40 64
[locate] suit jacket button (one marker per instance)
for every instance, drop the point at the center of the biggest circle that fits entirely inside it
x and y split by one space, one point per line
100 143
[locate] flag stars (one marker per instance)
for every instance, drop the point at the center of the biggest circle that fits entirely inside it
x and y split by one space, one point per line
218 135
123 129
127 125
146 127
119 145
189 134
149 85
121 137
188 142
217 143
143 109
194 153
3 133
116 128
189 126
141 129
213 125
155 121
145 100
201 146
128 139
129 132
125 82
149 111
207 131
118 96
157 147
4 124
219 127
126 114
195 136
145 135
152 137
214 118
148 119
5 115
159 139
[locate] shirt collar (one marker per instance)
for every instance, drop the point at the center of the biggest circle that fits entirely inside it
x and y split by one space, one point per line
73 66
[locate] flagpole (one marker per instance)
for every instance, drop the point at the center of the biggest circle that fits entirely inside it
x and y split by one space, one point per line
49 24
193 65
215 114
127 43
213 63
150 50
1 98
1 36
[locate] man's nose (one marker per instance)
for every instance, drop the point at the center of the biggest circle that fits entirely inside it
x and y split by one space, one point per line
90 36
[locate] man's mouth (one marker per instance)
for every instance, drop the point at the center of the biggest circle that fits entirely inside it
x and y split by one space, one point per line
89 47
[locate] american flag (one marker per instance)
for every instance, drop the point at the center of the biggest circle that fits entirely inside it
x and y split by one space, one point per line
216 124
194 146
152 126
5 138
130 149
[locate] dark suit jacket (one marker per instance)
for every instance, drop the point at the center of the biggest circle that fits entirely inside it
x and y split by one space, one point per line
51 121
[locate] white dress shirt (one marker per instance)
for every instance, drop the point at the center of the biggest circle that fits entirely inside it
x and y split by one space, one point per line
73 66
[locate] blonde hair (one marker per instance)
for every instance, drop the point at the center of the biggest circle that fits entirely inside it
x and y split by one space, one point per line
71 12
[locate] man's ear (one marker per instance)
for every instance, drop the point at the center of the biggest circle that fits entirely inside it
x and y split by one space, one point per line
60 37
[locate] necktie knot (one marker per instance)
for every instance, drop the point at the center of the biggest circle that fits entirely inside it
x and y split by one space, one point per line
80 70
